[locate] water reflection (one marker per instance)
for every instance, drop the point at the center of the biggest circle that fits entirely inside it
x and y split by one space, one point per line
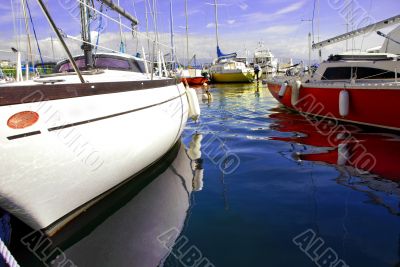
123 228
364 153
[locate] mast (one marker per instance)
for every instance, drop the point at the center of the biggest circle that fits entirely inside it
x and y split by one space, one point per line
172 32
122 43
28 36
147 26
187 33
216 22
85 31
373 27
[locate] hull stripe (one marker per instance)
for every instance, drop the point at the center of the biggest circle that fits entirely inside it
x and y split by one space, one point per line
13 137
93 120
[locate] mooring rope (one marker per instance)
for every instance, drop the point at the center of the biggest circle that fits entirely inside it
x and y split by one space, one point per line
6 254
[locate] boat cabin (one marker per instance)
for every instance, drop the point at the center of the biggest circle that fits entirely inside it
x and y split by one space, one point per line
104 61
360 66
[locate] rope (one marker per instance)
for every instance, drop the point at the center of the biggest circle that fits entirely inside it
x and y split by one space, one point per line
6 254
34 32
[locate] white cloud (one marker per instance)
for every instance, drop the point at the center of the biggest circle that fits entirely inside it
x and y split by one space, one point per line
243 6
282 29
289 9
210 25
231 21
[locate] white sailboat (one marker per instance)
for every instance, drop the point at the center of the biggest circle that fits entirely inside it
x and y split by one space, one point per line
70 138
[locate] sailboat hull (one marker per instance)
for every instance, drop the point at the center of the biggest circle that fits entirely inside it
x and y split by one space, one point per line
236 77
81 147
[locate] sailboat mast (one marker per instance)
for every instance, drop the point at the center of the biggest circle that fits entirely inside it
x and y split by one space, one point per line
172 32
187 33
147 26
86 45
216 22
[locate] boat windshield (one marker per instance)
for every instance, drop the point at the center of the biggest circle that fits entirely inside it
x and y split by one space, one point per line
103 62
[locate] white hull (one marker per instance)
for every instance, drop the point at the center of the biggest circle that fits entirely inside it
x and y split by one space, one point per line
48 175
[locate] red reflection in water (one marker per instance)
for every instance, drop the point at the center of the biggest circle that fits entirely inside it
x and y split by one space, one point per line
347 145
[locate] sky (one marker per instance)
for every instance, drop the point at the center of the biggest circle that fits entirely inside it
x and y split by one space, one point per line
282 25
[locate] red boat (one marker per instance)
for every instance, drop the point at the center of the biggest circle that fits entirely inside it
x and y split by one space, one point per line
194 80
193 77
360 88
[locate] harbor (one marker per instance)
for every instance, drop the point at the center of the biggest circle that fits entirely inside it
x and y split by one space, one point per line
141 151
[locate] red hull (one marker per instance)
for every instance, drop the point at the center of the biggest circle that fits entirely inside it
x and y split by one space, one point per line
195 80
374 106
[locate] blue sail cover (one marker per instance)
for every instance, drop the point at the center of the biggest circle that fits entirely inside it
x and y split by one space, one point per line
222 55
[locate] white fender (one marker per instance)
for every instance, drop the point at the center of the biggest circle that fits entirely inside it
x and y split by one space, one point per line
282 91
295 92
194 107
344 103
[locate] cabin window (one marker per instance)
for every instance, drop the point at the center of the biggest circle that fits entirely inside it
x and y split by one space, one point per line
344 73
105 62
337 73
112 63
67 66
372 73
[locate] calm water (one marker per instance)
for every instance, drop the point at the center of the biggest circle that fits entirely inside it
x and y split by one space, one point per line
255 177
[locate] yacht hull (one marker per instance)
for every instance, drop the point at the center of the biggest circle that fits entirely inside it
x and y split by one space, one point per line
82 147
370 105
238 77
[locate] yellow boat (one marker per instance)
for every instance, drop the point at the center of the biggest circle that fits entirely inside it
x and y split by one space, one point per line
231 71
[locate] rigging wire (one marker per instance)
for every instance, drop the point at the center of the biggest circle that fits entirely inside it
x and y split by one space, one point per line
99 29
34 32
123 25
122 45
29 48
15 25
136 28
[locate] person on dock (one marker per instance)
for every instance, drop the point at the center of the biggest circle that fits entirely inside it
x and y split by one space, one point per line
257 70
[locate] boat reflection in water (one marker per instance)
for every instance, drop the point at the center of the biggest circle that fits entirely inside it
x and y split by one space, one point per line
124 228
355 152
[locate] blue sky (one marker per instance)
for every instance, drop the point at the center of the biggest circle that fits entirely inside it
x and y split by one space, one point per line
281 24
